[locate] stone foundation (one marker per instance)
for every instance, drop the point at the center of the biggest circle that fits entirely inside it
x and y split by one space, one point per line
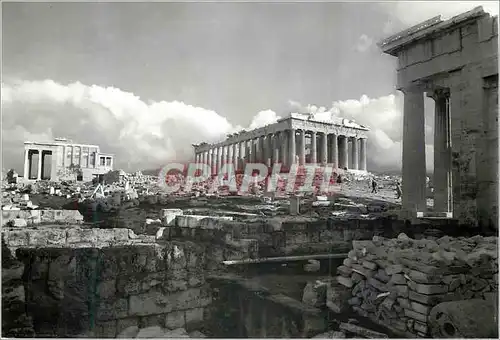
396 282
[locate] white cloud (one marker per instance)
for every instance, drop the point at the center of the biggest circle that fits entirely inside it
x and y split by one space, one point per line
148 135
364 43
140 134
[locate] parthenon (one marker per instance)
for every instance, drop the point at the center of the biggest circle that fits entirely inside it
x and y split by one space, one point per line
297 139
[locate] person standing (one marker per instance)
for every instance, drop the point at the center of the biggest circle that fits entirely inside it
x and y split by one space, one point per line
374 186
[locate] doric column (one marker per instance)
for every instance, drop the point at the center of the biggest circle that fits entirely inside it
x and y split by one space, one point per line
204 157
269 149
230 159
276 147
355 155
314 150
235 156
324 148
334 151
261 145
442 151
210 160
26 163
362 154
343 152
291 147
39 172
414 174
302 147
284 147
241 155
218 159
225 155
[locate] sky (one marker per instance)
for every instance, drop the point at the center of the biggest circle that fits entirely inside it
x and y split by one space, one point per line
146 80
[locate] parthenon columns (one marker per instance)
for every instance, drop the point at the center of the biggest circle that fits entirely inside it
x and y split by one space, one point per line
284 147
343 152
442 151
414 174
291 147
362 154
355 156
314 150
302 147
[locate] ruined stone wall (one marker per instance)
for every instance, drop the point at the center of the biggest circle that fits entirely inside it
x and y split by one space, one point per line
42 216
396 282
90 281
100 292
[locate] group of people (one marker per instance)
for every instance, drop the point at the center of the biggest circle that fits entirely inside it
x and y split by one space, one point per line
397 188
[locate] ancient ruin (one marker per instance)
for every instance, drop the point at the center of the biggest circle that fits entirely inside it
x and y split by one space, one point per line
285 142
65 156
126 258
456 63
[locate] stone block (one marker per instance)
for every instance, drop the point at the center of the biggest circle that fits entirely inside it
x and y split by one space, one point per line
151 332
454 284
336 297
403 302
15 238
415 315
363 271
428 289
394 269
430 300
369 265
112 309
152 302
377 285
344 271
347 262
399 290
106 289
175 320
382 276
356 277
105 329
194 318
420 327
314 294
347 282
397 279
128 332
127 324
420 277
420 308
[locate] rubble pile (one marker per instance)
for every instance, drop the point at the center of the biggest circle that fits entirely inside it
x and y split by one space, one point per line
396 282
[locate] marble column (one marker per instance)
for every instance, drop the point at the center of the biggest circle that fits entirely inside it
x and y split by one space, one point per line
261 149
362 154
442 151
269 149
334 151
26 163
355 155
218 164
414 172
230 154
241 155
284 147
314 150
291 147
343 152
235 156
276 147
302 147
39 171
210 160
324 148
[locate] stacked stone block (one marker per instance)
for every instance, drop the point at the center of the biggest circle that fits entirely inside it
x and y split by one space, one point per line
396 282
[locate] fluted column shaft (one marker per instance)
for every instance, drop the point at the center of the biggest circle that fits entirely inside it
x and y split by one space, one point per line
414 172
355 156
362 154
334 151
291 147
302 147
314 149
343 152
324 148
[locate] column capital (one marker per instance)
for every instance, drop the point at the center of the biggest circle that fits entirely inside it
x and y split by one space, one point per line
439 93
